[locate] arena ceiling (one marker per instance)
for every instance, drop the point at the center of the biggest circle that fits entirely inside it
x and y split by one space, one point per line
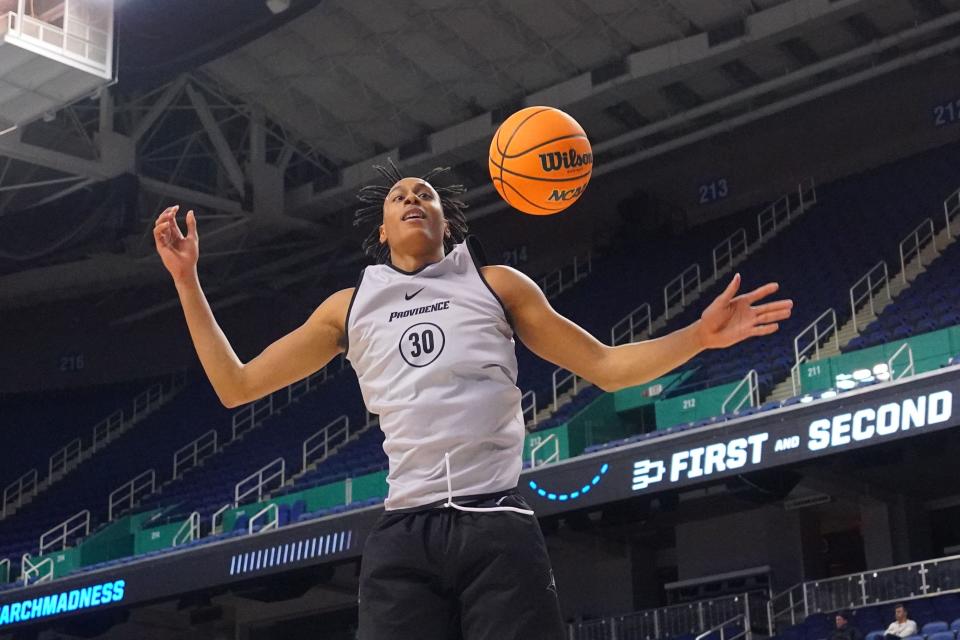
337 85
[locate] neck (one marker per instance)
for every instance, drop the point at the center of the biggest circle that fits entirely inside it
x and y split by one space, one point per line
415 261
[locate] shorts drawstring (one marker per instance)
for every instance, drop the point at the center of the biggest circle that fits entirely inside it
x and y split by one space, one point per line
451 504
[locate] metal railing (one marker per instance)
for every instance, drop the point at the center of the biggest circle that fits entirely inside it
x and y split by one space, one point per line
256 483
331 436
795 380
913 245
250 415
773 217
722 630
126 495
820 332
781 213
909 370
193 454
872 283
702 618
528 405
5 571
793 606
146 402
638 321
299 389
219 514
752 396
77 39
807 191
188 531
730 251
868 588
65 458
15 492
272 522
61 534
553 457
107 429
561 381
951 210
30 570
677 290
556 282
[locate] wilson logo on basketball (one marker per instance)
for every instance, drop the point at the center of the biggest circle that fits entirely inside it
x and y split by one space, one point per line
559 160
565 195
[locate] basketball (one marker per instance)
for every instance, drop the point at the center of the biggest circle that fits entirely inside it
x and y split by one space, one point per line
540 160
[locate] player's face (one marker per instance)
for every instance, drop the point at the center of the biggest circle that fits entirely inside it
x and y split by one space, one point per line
413 218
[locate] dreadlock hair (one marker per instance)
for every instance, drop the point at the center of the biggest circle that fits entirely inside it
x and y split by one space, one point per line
373 196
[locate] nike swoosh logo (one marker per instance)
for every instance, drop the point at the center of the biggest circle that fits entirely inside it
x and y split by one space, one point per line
409 296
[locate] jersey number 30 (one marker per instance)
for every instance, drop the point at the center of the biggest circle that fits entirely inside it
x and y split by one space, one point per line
421 344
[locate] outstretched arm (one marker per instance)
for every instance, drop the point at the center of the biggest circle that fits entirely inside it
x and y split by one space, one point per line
728 320
293 357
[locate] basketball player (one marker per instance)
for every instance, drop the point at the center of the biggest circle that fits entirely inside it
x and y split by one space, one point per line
430 333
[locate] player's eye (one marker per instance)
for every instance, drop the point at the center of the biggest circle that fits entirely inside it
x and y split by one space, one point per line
426 194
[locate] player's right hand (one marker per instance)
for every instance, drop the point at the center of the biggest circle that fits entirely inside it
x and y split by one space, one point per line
179 253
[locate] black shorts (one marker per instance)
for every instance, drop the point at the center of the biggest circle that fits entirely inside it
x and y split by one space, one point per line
443 574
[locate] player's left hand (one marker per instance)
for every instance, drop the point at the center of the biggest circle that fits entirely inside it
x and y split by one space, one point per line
731 318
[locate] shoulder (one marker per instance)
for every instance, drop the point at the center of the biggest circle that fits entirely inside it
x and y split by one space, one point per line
341 298
513 287
332 312
508 279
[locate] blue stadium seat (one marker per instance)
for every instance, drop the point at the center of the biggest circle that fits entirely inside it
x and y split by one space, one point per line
297 509
241 523
934 627
941 635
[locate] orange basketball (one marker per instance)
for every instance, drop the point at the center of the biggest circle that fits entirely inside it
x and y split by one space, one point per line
540 160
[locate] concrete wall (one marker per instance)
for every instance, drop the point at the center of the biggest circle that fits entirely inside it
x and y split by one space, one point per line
742 540
593 573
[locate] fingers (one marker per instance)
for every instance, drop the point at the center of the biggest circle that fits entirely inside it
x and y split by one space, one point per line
731 289
773 311
161 228
773 306
191 224
764 329
166 214
166 230
773 316
761 292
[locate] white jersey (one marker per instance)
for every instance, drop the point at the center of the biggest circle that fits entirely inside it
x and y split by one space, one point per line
434 354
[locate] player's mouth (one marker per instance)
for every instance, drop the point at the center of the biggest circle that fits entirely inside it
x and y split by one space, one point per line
414 213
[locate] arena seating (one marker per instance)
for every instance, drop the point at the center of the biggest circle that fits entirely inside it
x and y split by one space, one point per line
836 242
208 487
620 282
938 618
931 302
858 221
37 424
150 445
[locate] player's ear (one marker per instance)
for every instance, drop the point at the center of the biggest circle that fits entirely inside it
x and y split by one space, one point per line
383 234
447 234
